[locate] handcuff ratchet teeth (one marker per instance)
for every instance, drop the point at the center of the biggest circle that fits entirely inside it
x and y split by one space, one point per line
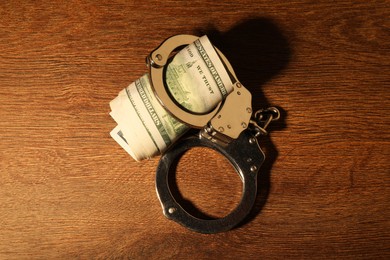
230 129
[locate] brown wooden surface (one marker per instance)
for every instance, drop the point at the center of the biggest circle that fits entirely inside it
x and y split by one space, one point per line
67 190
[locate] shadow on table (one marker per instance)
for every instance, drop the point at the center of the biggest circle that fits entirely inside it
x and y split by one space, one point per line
258 51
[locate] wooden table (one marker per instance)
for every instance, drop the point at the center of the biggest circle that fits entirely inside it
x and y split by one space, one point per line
67 190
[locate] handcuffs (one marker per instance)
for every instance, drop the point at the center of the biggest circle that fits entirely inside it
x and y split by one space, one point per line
231 129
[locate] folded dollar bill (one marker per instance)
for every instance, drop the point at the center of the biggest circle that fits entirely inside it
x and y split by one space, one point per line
196 78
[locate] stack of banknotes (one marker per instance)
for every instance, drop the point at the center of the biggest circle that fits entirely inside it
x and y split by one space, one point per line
195 77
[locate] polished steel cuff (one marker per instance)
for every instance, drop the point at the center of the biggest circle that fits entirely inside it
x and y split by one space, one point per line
246 157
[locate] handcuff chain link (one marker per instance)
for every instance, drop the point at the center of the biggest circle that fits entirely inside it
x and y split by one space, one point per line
261 119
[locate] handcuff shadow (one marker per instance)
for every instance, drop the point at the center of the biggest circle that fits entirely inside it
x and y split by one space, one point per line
258 51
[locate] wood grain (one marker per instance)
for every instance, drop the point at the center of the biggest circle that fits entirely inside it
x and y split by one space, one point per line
67 190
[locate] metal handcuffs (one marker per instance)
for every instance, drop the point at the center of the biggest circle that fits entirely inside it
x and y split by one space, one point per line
230 129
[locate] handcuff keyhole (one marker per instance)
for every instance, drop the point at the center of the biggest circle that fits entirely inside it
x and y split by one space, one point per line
207 185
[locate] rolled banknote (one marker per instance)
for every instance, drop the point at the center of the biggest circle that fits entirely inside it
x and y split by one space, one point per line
196 79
